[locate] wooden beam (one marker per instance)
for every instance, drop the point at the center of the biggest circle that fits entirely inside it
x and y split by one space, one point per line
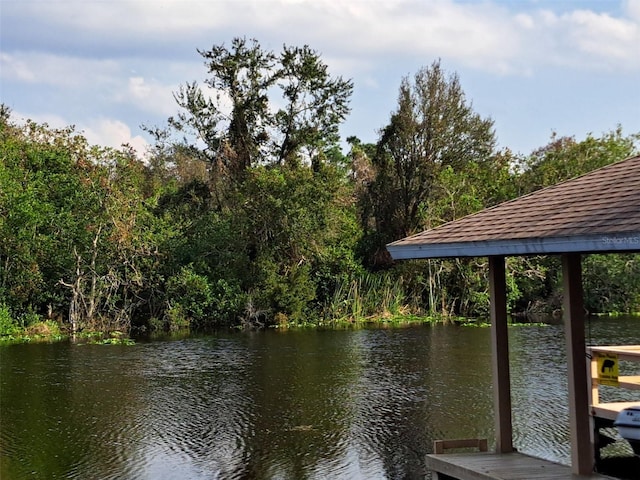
582 455
500 355
440 446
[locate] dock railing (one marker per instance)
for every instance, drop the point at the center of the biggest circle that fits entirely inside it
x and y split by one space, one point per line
605 370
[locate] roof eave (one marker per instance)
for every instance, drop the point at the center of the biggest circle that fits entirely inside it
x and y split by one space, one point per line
621 242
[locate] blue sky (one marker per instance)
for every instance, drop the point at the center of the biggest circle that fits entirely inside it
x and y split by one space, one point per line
534 66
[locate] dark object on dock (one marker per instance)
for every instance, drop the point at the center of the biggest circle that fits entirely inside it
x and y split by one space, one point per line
623 468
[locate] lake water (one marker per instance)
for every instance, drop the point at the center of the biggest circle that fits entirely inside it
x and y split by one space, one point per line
354 404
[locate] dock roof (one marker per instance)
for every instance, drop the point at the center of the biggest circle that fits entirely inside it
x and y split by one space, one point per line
596 212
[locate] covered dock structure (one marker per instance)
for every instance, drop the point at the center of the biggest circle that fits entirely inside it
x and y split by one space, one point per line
598 212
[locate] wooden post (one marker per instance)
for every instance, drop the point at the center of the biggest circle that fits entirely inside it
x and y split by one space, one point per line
500 355
582 455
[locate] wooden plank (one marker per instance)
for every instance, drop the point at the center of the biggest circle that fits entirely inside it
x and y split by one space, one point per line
500 355
495 466
439 446
630 382
610 410
624 352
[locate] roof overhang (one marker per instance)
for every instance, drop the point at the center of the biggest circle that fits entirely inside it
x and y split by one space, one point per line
611 243
598 212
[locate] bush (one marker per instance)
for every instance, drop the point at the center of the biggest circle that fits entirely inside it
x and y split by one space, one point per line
8 326
175 319
190 297
48 329
285 291
228 301
195 301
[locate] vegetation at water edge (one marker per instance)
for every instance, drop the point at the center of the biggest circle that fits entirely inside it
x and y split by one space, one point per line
248 211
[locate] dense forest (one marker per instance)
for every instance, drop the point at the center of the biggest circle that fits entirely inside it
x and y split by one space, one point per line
251 210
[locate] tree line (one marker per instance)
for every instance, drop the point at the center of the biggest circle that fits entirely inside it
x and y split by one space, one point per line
248 210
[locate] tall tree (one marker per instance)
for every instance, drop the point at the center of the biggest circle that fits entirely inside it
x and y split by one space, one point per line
263 108
434 127
316 105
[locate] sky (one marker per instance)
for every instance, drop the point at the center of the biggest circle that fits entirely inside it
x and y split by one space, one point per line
536 67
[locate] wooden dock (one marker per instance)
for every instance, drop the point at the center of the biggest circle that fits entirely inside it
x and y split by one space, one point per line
604 370
499 466
629 353
603 414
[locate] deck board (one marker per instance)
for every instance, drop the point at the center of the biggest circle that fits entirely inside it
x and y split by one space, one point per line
508 466
610 410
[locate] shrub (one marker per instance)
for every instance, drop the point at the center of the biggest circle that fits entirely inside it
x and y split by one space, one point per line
7 325
195 301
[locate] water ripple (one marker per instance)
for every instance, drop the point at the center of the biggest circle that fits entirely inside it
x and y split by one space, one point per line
343 405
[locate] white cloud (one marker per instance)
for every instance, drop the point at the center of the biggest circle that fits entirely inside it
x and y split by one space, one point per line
101 80
135 16
602 37
483 35
113 133
58 70
122 60
13 68
579 39
51 119
524 20
632 7
148 95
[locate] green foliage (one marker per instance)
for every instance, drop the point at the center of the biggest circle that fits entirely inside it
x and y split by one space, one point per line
434 132
366 296
114 338
284 293
612 283
262 127
260 219
47 330
76 236
195 302
40 223
8 327
28 328
29 318
192 293
565 157
298 235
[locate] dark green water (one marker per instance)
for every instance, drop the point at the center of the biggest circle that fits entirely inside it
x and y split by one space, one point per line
363 404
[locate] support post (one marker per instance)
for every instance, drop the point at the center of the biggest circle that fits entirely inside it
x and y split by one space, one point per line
582 455
500 355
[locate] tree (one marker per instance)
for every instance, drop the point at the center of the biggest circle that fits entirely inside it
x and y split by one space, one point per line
316 105
434 133
564 158
243 122
267 125
78 238
41 225
299 227
433 128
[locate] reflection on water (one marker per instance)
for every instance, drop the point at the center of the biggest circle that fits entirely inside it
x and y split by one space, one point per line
362 404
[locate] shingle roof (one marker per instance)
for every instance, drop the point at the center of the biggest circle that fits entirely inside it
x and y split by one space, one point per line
596 212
